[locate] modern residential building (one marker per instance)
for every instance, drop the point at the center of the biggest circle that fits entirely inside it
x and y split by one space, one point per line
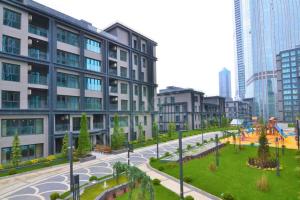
214 109
238 110
288 79
225 84
54 67
180 106
263 29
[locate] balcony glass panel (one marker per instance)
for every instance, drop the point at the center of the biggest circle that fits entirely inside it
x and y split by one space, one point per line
38 30
37 53
37 78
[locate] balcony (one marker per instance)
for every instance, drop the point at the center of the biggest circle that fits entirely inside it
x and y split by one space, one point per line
62 127
98 125
112 53
113 107
36 78
35 103
37 54
38 30
113 89
113 71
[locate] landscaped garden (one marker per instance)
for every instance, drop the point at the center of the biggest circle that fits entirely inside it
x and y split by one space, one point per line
235 177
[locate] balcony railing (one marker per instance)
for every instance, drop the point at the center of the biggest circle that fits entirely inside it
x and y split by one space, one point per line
113 107
67 105
113 71
113 89
38 30
98 125
62 127
37 104
37 53
37 79
113 54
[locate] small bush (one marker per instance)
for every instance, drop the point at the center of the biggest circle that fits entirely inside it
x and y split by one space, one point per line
42 160
12 171
211 139
1 167
156 181
51 158
47 164
189 147
227 196
34 161
189 197
93 178
212 167
54 196
252 144
187 179
262 184
198 144
167 154
152 159
204 141
26 163
161 168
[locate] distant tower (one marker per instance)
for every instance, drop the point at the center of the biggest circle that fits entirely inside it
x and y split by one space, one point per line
225 84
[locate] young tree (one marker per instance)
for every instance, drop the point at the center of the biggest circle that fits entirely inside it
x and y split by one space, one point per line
141 136
118 136
263 149
84 143
16 151
155 130
64 149
171 129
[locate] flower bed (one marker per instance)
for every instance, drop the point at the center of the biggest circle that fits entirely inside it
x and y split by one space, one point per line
258 163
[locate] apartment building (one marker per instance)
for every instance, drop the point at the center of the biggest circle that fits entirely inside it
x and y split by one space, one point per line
288 84
180 106
238 110
54 67
214 108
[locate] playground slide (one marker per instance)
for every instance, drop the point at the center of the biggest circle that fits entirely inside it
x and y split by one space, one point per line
280 131
250 130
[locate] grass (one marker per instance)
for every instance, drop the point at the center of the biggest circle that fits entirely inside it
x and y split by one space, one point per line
34 167
95 190
235 177
160 193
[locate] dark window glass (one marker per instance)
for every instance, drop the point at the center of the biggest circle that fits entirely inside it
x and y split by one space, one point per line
67 80
92 84
67 102
10 99
67 58
11 18
10 127
124 88
67 37
92 45
10 72
123 55
11 45
92 103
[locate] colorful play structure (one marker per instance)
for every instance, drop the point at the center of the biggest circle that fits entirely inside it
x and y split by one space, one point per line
250 132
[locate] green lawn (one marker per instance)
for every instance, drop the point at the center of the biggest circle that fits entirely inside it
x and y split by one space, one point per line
235 177
95 190
160 193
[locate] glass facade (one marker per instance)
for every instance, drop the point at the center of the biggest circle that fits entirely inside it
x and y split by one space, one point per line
67 80
67 58
265 28
67 102
11 45
225 83
11 18
10 99
92 45
10 72
92 103
92 64
67 37
93 84
10 127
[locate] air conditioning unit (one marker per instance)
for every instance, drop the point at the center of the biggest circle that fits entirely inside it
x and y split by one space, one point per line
29 91
29 67
29 18
30 41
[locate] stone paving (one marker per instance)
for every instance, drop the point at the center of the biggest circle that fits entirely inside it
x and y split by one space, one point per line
41 189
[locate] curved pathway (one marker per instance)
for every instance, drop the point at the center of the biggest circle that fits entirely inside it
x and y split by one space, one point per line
59 182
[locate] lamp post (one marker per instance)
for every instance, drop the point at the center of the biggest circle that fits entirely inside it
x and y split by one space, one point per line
129 150
180 165
277 157
157 141
71 161
217 150
298 133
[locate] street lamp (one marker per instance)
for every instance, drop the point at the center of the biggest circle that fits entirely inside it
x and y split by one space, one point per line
157 141
71 160
298 133
277 157
180 165
217 150
129 150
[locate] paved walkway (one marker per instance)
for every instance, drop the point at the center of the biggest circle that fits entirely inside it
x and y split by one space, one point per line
39 184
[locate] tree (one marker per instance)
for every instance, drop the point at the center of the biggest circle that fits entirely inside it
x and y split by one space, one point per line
84 143
155 130
224 122
64 149
263 149
171 129
141 136
16 151
118 136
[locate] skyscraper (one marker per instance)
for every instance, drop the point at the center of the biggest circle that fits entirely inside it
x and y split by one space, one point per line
225 83
263 28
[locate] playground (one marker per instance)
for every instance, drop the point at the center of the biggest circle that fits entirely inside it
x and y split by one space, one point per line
249 134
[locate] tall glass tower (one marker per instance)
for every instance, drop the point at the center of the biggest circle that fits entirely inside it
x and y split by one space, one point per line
225 83
263 28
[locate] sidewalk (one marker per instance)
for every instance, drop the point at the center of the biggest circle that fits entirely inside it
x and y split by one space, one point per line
173 184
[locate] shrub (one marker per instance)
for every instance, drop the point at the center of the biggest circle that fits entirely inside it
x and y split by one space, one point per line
26 163
7 165
54 196
1 167
252 144
152 159
12 171
189 197
93 178
262 184
156 181
34 161
198 144
212 167
187 179
204 141
167 154
161 168
47 164
227 196
189 147
211 139
42 160
51 158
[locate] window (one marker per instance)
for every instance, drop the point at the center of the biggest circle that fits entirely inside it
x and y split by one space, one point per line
92 103
67 80
92 45
123 120
144 91
124 88
67 58
172 99
92 84
10 72
136 90
134 106
135 44
136 119
124 105
142 76
9 127
123 55
177 108
67 102
11 18
77 122
124 72
133 74
10 45
144 63
92 64
67 37
145 120
143 106
135 59
28 152
144 47
177 118
10 99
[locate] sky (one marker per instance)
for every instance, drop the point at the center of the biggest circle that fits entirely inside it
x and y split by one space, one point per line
195 37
